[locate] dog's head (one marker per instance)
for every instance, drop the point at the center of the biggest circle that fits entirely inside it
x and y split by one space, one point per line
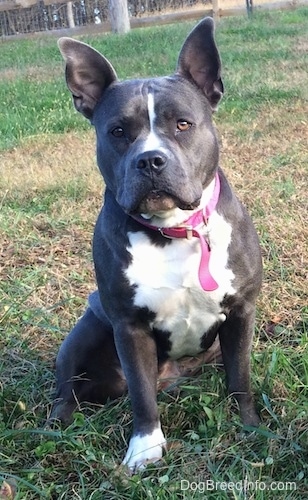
156 145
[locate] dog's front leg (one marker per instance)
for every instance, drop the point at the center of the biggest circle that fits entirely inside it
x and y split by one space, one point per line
138 355
236 336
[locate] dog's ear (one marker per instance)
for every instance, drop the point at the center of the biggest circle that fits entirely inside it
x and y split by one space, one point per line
199 61
87 72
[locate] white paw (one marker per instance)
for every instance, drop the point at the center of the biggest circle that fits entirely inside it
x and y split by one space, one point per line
145 449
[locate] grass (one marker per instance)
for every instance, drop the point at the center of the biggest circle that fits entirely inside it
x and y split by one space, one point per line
50 194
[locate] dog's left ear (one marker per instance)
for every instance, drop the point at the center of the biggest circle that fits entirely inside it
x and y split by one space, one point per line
199 61
88 74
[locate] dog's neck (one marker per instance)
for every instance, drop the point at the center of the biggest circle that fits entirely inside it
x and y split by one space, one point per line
190 228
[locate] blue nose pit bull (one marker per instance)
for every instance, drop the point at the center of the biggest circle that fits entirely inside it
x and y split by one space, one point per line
176 256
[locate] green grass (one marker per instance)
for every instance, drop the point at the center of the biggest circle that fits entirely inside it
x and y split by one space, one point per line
50 194
34 98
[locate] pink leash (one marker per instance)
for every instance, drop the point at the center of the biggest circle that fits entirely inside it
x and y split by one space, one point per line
188 230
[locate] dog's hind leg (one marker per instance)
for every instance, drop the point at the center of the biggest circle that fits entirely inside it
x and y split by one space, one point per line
171 372
87 367
236 335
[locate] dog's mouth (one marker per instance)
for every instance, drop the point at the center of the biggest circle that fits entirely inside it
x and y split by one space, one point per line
156 202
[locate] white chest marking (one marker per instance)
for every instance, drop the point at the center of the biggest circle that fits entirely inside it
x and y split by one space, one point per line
145 449
166 281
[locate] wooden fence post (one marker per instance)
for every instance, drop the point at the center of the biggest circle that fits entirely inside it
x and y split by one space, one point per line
249 7
215 4
119 19
70 15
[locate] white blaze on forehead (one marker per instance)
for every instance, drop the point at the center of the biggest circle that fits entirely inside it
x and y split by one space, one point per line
152 141
151 110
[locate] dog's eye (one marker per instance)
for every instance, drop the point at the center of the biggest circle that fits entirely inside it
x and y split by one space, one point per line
183 125
117 132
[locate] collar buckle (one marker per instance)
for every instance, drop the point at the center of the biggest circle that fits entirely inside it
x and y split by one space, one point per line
189 231
183 231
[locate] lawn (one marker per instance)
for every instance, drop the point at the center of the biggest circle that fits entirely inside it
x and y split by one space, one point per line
50 194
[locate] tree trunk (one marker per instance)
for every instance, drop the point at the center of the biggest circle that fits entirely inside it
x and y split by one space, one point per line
70 15
119 18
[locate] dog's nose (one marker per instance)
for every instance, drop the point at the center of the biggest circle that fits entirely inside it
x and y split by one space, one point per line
152 161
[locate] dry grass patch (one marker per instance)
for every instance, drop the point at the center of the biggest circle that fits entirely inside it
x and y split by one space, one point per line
51 191
269 172
47 161
267 169
31 73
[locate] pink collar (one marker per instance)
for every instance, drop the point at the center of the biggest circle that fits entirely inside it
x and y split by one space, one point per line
188 230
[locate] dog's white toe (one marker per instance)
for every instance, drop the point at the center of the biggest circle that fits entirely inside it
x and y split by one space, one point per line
144 449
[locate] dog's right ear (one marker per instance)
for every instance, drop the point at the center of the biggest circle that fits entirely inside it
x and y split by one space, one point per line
199 61
88 74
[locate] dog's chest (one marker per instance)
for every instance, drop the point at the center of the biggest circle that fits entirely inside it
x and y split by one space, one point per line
166 281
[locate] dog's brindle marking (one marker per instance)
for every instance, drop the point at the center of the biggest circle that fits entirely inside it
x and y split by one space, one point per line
158 153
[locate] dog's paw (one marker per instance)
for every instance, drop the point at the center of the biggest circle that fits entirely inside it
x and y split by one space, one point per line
249 416
144 449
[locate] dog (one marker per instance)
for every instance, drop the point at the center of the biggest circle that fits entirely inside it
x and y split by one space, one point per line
177 259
